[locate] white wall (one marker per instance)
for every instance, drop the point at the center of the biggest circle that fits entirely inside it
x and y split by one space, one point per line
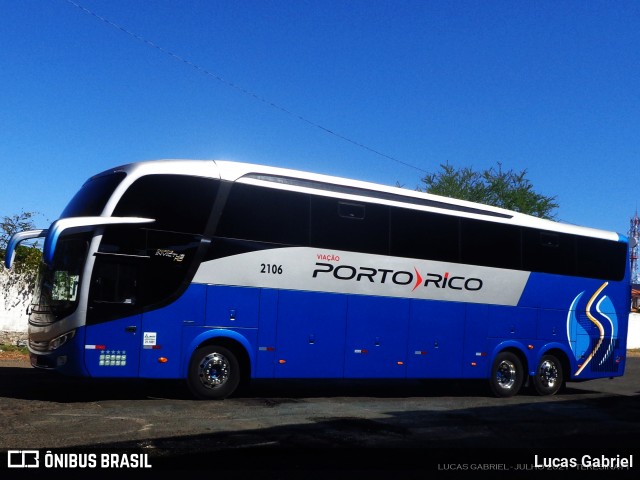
633 339
14 299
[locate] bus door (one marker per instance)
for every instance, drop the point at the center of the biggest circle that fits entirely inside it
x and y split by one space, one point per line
136 271
112 337
174 309
167 329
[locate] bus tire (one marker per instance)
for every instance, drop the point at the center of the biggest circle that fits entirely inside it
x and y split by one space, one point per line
214 373
549 377
507 375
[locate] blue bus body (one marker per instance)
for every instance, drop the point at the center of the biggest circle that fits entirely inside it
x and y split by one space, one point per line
284 332
306 311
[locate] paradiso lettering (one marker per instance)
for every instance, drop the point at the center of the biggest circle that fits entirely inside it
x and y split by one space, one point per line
398 277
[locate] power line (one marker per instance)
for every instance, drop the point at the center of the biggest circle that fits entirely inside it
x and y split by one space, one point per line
234 86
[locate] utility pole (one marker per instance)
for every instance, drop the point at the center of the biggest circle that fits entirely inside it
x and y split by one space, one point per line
634 238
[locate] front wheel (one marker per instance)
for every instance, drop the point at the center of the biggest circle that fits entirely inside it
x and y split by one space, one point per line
507 375
214 373
549 377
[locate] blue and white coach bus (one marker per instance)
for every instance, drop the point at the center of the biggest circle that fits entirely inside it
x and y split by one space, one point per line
218 272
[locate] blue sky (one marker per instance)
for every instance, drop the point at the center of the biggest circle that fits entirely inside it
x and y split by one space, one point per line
550 87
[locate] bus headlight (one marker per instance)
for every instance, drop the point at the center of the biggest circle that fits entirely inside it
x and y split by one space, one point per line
61 340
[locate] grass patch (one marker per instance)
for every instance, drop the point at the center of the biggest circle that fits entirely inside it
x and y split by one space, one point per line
14 349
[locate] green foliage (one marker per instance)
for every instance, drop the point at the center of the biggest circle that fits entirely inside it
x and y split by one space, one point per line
27 257
493 186
14 349
16 223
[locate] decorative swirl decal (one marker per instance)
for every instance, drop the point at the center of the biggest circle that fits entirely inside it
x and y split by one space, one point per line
597 324
588 335
612 325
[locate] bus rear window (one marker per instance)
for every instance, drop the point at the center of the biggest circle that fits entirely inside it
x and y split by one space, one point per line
93 196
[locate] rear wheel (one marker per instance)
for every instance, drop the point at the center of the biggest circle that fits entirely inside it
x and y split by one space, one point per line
549 377
214 373
507 375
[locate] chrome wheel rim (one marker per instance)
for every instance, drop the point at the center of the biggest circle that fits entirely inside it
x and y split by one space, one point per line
506 375
548 374
214 370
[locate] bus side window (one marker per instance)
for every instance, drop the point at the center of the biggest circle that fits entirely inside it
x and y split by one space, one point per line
265 215
490 244
424 235
357 227
178 203
599 258
114 281
548 252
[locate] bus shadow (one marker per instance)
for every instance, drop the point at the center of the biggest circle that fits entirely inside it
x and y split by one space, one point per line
33 384
607 422
378 388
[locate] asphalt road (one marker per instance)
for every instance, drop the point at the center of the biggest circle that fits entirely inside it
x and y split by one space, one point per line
319 427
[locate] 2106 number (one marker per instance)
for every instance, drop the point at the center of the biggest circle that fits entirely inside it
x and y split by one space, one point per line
271 268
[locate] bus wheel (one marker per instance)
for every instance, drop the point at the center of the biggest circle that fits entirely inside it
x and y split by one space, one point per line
549 377
214 373
507 375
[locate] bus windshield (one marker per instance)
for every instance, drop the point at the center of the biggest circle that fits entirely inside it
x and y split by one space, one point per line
56 291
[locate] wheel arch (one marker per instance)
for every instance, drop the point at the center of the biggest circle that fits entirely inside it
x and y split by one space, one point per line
557 350
514 347
225 338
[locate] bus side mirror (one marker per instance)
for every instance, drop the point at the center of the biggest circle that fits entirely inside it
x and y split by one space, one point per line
16 239
81 224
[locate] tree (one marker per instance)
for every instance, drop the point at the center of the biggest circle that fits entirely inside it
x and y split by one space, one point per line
18 283
493 186
27 257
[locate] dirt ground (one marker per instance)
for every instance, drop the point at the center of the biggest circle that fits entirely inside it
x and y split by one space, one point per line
17 356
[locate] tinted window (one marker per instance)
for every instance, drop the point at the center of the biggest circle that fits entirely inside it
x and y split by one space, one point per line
255 214
548 252
265 215
177 202
138 268
352 226
601 258
424 235
490 244
93 196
